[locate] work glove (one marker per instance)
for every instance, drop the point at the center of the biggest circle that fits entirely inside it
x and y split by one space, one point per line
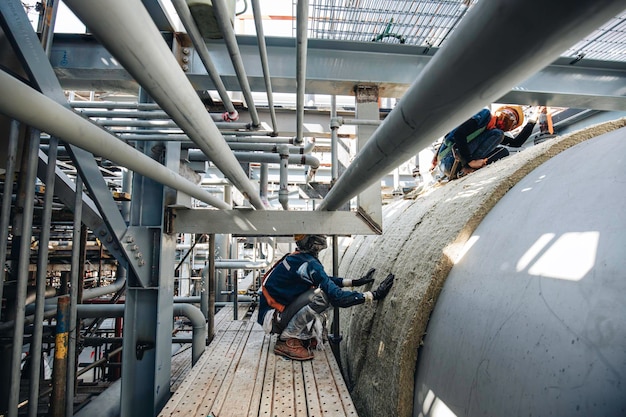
365 279
383 289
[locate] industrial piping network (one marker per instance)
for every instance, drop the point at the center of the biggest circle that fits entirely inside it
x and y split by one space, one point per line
128 32
477 66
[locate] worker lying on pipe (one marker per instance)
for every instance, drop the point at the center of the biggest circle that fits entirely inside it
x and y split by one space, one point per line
475 143
296 292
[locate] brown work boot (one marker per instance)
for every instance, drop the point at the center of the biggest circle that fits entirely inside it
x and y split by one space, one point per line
292 349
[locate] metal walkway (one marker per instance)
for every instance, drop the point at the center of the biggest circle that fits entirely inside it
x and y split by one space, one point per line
239 375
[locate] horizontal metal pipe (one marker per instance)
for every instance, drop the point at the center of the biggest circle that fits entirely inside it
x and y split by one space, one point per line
476 66
34 109
275 158
130 35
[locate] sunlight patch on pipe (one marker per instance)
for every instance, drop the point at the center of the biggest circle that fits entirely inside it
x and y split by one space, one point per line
434 407
570 257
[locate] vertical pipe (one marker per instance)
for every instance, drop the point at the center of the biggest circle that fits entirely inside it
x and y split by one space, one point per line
211 287
336 335
47 26
301 52
76 268
334 127
42 262
7 195
59 370
22 269
263 180
283 191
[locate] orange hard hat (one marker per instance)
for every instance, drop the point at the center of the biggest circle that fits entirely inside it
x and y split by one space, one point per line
509 117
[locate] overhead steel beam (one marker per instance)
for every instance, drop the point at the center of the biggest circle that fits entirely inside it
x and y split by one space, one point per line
271 222
476 67
334 67
128 32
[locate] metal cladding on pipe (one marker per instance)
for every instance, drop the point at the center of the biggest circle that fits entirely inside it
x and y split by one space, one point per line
127 31
34 109
476 66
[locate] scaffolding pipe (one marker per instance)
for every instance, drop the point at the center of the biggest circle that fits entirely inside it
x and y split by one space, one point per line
29 171
258 22
465 75
7 195
223 21
34 109
41 290
75 282
130 35
301 52
198 42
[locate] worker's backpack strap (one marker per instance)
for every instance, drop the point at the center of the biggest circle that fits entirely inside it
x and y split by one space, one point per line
283 318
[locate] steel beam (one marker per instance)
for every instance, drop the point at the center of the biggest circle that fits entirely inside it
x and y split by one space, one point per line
81 63
271 222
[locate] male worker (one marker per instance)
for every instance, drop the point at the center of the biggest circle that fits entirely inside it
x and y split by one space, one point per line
474 143
296 291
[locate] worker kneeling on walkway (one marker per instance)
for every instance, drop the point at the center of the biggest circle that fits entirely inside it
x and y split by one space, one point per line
296 292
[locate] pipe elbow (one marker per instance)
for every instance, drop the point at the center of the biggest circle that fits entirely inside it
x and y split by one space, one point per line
230 116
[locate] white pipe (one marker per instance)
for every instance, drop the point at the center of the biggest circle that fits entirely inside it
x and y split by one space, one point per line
127 31
23 103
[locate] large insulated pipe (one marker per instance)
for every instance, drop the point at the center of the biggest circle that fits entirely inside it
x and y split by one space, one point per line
34 109
477 66
127 31
223 20
198 42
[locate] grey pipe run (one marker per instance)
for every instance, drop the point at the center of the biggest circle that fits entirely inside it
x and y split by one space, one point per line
181 309
357 122
309 160
114 105
476 66
29 171
34 109
198 42
166 123
128 32
223 20
137 114
5 211
258 23
302 20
